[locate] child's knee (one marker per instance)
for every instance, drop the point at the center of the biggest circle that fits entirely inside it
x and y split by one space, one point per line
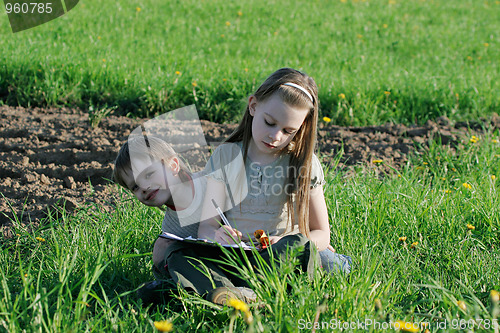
160 253
335 262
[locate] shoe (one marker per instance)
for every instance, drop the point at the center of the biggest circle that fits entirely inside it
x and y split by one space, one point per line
155 292
222 295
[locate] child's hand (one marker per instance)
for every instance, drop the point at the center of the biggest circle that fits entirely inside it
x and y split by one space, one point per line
227 235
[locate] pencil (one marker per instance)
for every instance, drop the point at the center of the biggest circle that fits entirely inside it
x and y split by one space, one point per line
221 214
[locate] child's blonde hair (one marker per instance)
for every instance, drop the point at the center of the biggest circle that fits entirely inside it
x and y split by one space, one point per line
145 148
301 148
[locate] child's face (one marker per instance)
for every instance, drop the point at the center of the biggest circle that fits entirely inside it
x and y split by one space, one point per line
275 123
150 182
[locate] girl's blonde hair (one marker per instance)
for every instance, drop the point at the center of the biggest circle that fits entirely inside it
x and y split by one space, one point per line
301 148
148 147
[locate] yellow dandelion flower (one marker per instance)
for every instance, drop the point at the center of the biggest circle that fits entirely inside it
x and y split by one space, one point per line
470 227
399 176
385 26
467 186
486 44
241 306
392 2
240 13
442 178
40 239
275 33
414 245
493 177
405 326
387 93
462 305
164 326
494 296
494 141
103 60
98 37
222 35
341 96
326 119
177 73
343 1
237 304
469 58
377 161
402 239
447 191
194 84
18 235
246 70
359 36
228 23
26 275
138 9
453 169
425 163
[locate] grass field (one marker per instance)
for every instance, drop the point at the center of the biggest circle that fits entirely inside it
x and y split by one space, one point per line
402 61
78 273
425 239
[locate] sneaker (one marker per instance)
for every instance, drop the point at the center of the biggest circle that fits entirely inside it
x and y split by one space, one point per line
222 295
155 292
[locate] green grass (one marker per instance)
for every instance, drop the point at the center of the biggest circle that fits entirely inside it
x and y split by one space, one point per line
434 57
81 274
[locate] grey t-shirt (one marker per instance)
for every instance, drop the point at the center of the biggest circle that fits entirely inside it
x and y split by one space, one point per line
185 222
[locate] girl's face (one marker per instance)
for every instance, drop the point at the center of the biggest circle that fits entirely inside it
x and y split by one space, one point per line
150 181
275 123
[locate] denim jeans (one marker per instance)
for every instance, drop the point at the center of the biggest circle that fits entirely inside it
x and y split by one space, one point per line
335 262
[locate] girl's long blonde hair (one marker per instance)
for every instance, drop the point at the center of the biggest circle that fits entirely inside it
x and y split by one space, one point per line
301 148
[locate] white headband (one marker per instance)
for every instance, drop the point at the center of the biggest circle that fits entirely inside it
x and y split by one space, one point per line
291 84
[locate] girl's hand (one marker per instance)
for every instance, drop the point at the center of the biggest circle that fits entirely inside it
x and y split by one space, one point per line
274 239
227 235
329 247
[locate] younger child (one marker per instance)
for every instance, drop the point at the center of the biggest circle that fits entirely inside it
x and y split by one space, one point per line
152 171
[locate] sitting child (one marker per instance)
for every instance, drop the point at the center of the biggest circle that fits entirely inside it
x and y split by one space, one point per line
152 171
277 138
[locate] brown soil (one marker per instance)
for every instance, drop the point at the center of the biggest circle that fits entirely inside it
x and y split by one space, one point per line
54 157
